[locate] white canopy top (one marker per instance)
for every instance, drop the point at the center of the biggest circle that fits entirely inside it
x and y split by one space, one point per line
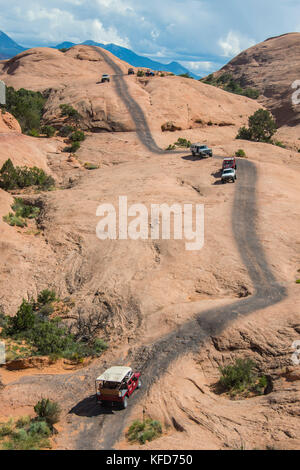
115 374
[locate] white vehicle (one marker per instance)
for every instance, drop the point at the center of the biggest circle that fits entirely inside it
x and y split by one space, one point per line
201 150
229 174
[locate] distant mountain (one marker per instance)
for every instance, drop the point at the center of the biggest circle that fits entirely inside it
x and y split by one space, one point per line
132 58
8 47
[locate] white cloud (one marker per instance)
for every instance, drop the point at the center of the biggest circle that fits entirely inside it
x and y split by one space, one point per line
234 43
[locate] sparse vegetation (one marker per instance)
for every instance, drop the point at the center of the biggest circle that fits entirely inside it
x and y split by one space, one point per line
181 142
77 136
186 75
48 410
48 336
70 112
22 211
240 153
261 128
27 107
140 73
240 378
21 177
49 131
90 166
31 433
228 83
65 131
143 431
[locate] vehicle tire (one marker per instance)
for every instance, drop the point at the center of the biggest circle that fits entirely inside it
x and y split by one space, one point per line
139 384
193 154
125 403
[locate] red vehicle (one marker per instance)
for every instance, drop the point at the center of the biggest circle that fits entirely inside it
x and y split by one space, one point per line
116 385
229 162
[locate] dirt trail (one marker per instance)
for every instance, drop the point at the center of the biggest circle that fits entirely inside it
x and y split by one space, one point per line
154 360
88 425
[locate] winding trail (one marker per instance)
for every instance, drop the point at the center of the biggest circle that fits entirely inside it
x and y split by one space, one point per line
153 360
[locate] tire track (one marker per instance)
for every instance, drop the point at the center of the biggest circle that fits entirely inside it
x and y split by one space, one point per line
153 360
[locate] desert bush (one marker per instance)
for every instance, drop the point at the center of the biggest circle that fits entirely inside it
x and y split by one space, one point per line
140 73
186 75
23 320
183 143
142 432
49 131
261 128
50 337
237 376
26 106
70 112
77 136
240 377
21 177
240 153
34 133
65 131
90 166
25 209
73 147
25 434
48 410
227 82
14 220
46 296
279 144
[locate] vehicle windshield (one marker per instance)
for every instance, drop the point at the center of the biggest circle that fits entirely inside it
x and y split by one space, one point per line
202 147
228 171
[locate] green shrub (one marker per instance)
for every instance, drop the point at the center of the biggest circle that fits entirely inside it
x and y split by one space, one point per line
47 336
23 320
279 144
65 131
298 281
140 73
73 147
144 431
227 82
25 434
262 127
23 421
21 177
238 376
34 133
40 427
171 147
77 136
46 296
90 166
24 209
240 153
70 112
48 410
26 106
6 429
14 220
186 75
49 131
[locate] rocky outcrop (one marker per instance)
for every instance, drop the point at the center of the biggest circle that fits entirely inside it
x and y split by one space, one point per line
271 67
8 123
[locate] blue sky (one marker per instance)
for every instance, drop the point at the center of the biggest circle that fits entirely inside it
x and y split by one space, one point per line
201 34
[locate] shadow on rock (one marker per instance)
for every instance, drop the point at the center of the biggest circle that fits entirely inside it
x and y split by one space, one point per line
89 407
